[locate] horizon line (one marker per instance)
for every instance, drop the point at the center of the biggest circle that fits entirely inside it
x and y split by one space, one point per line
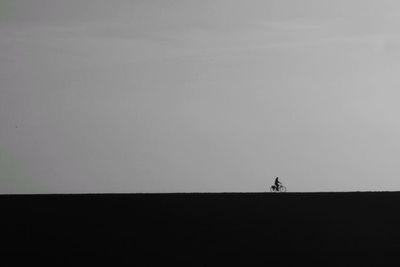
193 193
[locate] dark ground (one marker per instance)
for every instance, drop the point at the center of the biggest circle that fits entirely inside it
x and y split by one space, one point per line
215 229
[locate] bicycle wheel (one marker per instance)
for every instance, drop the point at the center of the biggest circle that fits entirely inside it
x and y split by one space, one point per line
282 189
272 188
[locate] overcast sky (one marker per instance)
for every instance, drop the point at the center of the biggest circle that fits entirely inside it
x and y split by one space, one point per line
199 96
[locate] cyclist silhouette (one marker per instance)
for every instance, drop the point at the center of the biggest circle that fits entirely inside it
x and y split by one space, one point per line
277 186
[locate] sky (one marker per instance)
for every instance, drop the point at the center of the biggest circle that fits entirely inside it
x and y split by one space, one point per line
153 96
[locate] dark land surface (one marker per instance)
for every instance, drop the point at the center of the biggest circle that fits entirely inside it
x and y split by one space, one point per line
213 229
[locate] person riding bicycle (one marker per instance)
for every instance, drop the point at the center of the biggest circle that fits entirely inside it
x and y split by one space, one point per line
277 183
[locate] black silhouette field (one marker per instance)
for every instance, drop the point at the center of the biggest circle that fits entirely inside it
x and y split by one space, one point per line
212 229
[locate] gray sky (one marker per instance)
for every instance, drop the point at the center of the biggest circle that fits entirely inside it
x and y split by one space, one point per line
199 96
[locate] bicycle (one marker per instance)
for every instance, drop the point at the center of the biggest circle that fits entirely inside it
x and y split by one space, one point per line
280 188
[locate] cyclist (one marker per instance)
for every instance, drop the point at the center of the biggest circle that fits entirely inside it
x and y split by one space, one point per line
277 183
